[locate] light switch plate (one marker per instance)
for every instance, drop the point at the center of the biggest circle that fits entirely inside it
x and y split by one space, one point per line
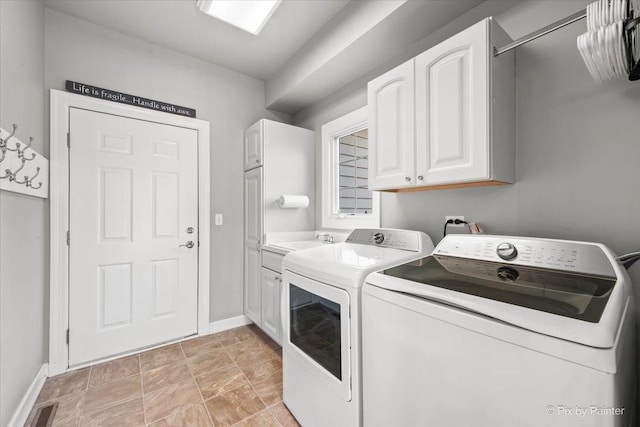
218 219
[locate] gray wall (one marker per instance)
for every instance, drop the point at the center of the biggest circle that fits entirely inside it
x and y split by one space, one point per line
84 52
23 220
578 154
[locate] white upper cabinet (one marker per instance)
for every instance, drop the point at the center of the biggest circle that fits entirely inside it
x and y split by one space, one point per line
253 146
391 124
463 111
452 108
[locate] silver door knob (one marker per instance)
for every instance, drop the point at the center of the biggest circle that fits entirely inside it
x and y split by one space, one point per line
406 178
188 245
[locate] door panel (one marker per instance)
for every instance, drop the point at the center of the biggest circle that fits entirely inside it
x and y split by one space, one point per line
271 282
391 135
316 322
253 212
452 109
133 193
253 146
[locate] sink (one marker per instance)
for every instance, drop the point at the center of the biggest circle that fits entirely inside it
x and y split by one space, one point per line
299 245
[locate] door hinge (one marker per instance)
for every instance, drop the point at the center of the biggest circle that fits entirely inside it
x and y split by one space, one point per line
68 238
68 139
67 336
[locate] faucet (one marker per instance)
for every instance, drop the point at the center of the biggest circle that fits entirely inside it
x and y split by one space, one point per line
327 238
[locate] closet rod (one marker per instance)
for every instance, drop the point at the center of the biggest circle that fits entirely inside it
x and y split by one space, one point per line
544 31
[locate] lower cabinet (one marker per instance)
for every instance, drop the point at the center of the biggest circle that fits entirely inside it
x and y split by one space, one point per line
271 285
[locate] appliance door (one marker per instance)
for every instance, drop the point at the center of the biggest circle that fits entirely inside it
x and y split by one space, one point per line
316 330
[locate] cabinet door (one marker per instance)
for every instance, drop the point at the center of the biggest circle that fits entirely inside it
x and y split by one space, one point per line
391 134
271 283
452 109
253 211
253 146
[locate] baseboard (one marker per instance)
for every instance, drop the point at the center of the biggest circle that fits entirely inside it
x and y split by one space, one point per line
29 399
230 323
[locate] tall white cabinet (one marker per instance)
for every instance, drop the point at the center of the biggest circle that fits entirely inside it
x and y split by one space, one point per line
278 160
445 118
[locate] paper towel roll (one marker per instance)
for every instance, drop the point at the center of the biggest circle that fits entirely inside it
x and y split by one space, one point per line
288 201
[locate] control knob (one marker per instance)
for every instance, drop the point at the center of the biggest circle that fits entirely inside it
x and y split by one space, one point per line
378 238
507 251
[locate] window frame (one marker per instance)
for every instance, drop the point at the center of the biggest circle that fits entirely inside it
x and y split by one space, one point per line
331 132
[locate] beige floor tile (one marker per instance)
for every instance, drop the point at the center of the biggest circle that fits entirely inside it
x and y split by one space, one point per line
67 413
207 362
234 406
260 366
264 338
111 394
171 399
220 381
200 345
246 349
195 416
129 413
172 373
282 414
160 357
269 388
60 385
263 418
236 335
114 370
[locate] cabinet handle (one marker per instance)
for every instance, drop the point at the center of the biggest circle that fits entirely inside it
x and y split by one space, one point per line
275 277
257 160
258 246
420 177
406 178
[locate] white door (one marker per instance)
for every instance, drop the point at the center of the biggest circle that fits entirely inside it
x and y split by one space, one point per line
252 244
316 321
133 195
253 146
452 108
391 133
271 282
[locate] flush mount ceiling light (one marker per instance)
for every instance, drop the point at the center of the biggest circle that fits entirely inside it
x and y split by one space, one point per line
248 15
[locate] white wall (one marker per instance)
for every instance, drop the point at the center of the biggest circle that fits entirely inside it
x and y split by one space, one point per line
23 219
84 52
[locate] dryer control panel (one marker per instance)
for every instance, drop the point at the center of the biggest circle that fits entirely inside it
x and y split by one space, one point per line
414 241
577 257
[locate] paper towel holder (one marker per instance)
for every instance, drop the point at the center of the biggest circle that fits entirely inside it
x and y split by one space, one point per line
292 201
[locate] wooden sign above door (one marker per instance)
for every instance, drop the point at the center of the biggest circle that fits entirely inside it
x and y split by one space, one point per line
123 98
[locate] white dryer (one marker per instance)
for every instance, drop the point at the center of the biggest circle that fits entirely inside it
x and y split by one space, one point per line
321 353
500 332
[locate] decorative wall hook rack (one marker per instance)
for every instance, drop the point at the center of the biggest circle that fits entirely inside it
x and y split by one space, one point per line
20 166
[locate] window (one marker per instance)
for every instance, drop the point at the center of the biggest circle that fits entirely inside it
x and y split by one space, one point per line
353 173
347 201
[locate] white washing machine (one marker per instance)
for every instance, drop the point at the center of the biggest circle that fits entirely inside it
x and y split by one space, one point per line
500 332
321 295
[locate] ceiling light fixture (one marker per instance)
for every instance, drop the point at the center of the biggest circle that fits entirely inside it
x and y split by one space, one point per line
248 15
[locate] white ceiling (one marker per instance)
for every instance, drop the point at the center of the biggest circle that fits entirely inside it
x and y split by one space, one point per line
308 50
179 25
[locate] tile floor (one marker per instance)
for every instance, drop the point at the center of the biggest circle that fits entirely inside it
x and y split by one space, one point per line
230 378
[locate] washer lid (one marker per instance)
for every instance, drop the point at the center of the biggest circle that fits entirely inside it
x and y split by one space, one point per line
556 292
579 308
